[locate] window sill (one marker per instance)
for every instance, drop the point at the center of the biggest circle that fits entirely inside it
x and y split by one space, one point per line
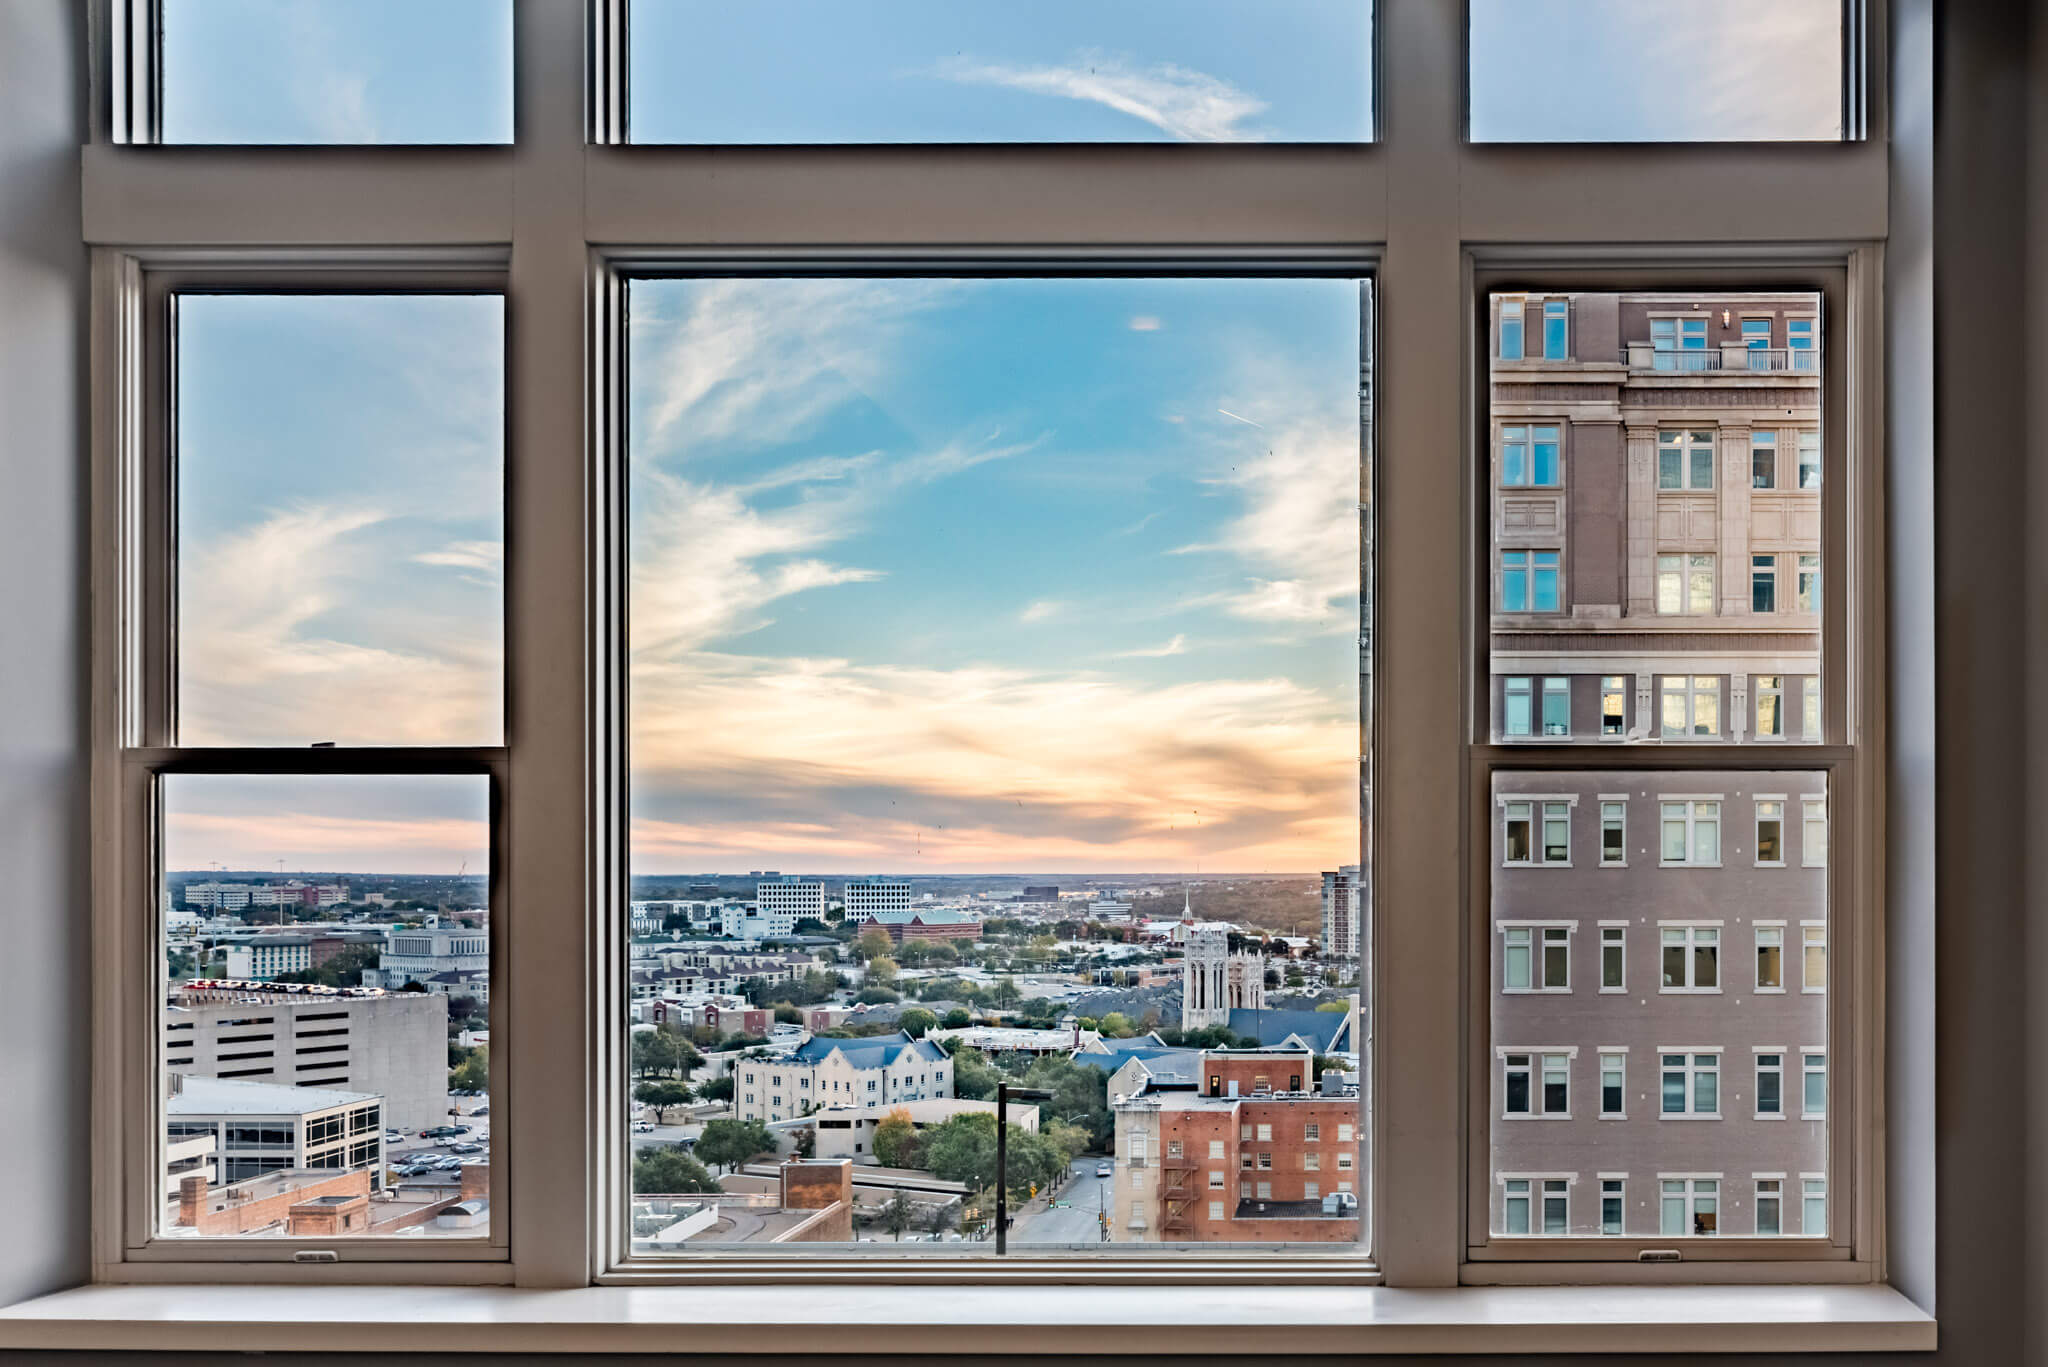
823 1319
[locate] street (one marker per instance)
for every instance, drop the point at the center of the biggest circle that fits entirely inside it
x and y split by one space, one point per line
1084 1199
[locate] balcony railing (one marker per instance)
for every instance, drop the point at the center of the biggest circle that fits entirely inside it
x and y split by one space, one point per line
1732 358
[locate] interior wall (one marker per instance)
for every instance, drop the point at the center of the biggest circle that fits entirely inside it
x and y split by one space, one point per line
43 963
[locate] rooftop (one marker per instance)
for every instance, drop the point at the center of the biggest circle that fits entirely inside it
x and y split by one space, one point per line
217 1096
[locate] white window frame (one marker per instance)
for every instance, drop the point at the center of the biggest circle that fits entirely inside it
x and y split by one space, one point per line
1692 1070
1534 1195
1813 935
1693 823
1688 444
1536 938
1617 1056
1613 807
1758 802
1758 1053
376 207
1692 1196
1613 937
1614 686
1775 690
1757 931
1808 1071
1691 688
1695 935
1618 1181
1776 1196
1541 813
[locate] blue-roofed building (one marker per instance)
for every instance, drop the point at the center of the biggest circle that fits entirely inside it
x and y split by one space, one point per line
1324 1032
1148 1067
875 1073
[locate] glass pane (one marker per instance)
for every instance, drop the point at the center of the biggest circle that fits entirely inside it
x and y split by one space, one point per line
1627 71
337 71
930 674
924 71
1674 573
325 1029
1663 1057
340 519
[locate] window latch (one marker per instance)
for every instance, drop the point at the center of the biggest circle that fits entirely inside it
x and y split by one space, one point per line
1659 1255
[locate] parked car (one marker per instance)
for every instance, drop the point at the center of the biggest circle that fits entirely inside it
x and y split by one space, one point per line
643 1127
394 1136
1104 1170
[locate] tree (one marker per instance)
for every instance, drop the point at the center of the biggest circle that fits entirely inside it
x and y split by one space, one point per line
898 1213
896 1141
1116 1025
877 996
729 1143
959 1018
662 1097
882 970
807 1142
1080 1095
872 944
787 1013
1072 1139
717 1089
916 1021
473 1074
939 1219
1007 991
1339 1005
964 1150
669 1171
974 1077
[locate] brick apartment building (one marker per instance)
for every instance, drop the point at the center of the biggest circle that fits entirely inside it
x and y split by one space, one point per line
1659 974
1656 517
1255 1154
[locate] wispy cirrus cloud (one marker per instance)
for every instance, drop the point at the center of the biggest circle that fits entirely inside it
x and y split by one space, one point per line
1177 646
1044 610
1188 105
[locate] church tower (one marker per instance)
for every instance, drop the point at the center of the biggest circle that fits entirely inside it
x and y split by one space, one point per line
1214 981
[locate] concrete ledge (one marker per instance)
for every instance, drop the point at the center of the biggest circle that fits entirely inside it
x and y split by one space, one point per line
945 1319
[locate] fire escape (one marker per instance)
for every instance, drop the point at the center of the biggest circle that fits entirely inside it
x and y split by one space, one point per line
1177 1195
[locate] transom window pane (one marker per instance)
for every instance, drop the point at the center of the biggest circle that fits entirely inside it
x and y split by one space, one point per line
337 71
925 71
948 665
1752 71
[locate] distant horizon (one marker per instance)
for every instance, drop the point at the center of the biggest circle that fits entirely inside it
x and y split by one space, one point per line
1140 874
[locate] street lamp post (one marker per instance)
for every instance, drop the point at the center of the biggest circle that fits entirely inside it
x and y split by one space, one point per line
1004 1091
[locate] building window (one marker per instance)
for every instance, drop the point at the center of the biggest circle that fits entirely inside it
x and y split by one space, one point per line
1692 1085
1557 707
1265 1132
1813 1098
1511 330
1215 1210
1311 1162
1763 459
1692 833
1528 581
1770 706
1692 958
1265 1162
1770 832
1685 460
1799 336
1680 344
1311 1191
1814 947
1612 1204
1613 1086
1613 833
1756 333
1813 1214
1770 1201
1807 587
1557 1085
1763 584
1312 1131
1770 1086
1536 958
1554 324
1613 695
1556 1205
1520 711
1613 952
1216 1179
1343 1165
1770 958
1809 460
1215 1148
1344 1133
1690 1206
1515 1205
1520 834
1533 1084
1809 721
1528 457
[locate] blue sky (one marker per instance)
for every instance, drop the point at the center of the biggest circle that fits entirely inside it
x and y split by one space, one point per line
934 576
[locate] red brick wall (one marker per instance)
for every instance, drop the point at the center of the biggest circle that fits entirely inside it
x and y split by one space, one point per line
1256 1072
254 1215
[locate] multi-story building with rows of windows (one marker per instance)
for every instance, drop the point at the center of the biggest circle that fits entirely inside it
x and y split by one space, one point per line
1656 517
1659 970
870 1074
868 897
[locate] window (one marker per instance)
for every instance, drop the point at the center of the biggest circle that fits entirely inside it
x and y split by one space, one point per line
1813 1215
1770 707
1809 720
1770 958
1311 1162
1680 344
1800 338
1615 58
1613 833
1814 832
1613 953
1770 1201
1685 460
1554 323
791 72
1809 459
1690 1206
1770 832
387 72
1536 958
1691 707
1311 1131
1814 1097
1763 455
1557 1093
1685 584
1756 334
1520 719
1556 1205
1511 329
1692 958
1613 693
1311 1191
1528 581
1770 1086
1528 457
1763 584
1521 842
1814 944
1557 707
1215 1148
1612 1203
1692 832
1613 1088
1692 1085
1808 599
1265 1131
1515 1202
1215 1210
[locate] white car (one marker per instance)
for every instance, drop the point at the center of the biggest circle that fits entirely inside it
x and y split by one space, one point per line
643 1127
